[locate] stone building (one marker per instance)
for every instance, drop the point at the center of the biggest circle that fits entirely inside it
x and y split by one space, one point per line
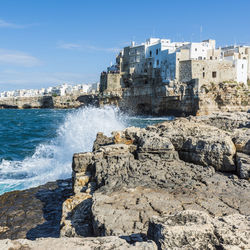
206 71
160 62
237 52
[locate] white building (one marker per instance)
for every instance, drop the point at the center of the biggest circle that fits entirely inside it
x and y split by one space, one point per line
60 90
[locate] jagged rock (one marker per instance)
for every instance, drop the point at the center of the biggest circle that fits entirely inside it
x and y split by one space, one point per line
138 174
35 212
77 216
115 167
199 143
197 230
241 139
243 165
225 121
128 210
101 140
102 243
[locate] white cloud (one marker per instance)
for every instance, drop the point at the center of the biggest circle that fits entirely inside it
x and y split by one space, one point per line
5 24
17 58
83 47
69 46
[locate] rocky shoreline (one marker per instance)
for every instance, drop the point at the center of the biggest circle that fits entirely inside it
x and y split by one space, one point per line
181 184
52 102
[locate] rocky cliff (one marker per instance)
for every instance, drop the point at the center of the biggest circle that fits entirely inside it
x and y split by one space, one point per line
181 184
60 102
180 99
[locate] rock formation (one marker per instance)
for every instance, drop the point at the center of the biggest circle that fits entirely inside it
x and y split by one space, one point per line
181 184
190 168
102 243
57 102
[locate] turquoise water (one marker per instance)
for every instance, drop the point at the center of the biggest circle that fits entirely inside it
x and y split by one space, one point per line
36 146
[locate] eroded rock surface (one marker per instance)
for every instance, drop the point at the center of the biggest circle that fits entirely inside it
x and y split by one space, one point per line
173 166
101 243
183 183
35 212
197 230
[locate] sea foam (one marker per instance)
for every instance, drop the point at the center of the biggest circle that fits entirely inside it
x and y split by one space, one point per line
52 161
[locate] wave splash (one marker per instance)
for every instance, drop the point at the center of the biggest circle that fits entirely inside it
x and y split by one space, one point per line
52 161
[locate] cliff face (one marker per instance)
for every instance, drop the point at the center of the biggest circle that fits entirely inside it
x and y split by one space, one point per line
26 102
60 102
186 98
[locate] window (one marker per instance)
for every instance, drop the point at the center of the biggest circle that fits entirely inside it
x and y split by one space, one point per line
150 64
157 62
156 51
195 49
242 66
211 57
203 74
203 69
214 74
150 53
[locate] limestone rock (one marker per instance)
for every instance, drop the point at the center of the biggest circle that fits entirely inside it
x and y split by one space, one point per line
35 212
197 230
128 210
102 243
243 165
199 143
101 140
241 139
77 217
226 121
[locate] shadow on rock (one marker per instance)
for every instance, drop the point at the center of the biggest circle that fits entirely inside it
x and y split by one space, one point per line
52 199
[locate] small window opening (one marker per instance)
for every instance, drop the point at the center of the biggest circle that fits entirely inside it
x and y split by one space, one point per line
214 73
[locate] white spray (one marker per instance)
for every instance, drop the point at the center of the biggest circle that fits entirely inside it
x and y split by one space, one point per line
52 161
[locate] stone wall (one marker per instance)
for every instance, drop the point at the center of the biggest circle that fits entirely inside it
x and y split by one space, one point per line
110 81
207 71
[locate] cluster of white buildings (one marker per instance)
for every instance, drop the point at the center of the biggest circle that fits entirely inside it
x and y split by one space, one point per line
60 90
178 62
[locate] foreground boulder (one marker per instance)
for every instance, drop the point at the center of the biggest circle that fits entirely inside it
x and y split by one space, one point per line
102 243
197 230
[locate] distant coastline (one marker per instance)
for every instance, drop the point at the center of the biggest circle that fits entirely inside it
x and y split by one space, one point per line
49 101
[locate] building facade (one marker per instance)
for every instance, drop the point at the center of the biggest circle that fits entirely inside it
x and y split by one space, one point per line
160 61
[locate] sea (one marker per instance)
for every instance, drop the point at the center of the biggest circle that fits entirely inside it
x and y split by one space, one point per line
37 145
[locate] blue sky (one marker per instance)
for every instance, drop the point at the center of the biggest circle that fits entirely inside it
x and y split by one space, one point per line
47 42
